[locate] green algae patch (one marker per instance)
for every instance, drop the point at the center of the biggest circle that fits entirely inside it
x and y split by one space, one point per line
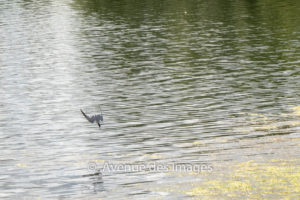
296 110
255 123
251 180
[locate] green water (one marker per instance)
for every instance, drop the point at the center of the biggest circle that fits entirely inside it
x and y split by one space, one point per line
211 84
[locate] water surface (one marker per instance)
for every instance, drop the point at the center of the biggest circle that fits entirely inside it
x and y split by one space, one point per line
208 83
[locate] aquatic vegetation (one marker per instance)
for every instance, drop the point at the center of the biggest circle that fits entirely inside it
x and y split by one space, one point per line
22 165
197 143
154 156
251 180
260 178
296 110
256 122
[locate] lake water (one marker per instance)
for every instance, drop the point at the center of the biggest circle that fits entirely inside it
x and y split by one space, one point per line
191 83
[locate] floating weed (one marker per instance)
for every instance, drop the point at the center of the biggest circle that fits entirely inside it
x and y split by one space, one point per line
251 180
296 123
21 165
196 142
255 122
154 156
265 127
296 110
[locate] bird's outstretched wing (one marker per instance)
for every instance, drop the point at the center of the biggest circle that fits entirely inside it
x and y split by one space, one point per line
90 119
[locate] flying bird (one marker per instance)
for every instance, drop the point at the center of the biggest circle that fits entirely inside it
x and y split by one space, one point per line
94 118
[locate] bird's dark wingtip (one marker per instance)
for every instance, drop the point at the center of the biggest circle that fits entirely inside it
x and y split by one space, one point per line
82 112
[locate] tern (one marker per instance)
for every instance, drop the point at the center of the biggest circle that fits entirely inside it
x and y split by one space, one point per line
94 118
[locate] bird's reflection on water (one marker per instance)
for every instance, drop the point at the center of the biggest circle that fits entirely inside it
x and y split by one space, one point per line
96 185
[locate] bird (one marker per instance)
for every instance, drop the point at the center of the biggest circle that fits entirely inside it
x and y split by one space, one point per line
93 118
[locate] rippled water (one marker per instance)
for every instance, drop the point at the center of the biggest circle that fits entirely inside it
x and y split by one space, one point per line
207 83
